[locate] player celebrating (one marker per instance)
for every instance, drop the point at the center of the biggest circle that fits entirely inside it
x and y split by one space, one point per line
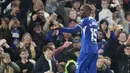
88 53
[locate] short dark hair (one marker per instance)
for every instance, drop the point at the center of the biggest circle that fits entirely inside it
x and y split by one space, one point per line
106 57
92 3
76 1
87 6
70 53
23 50
47 47
102 21
127 45
121 31
37 23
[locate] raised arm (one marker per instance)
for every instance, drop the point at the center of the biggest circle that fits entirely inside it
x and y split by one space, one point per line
77 28
14 66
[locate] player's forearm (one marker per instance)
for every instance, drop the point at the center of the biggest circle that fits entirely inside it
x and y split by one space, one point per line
49 35
71 30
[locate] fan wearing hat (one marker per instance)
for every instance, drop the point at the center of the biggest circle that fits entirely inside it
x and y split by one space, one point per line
76 42
37 34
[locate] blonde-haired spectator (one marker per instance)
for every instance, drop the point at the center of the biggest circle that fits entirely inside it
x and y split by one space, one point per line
28 44
7 66
101 66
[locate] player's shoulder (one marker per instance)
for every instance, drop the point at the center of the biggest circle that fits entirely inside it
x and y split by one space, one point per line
89 19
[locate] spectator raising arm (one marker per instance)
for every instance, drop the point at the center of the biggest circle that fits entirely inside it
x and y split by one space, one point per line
53 17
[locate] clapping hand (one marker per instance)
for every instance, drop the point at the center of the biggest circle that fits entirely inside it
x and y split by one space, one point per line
53 17
3 43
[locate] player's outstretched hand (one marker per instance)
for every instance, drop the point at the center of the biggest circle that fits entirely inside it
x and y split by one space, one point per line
58 26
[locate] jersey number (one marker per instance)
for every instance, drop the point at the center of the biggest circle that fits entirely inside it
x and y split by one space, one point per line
93 34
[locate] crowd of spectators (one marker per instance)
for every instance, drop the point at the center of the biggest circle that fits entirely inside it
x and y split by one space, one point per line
29 42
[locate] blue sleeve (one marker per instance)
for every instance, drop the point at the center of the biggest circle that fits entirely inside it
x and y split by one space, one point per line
77 28
113 35
49 35
103 45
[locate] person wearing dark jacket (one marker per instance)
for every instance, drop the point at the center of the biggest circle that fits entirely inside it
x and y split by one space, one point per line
102 43
25 65
123 57
46 64
38 36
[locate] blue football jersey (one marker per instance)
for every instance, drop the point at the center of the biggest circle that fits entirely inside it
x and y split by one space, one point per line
89 28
